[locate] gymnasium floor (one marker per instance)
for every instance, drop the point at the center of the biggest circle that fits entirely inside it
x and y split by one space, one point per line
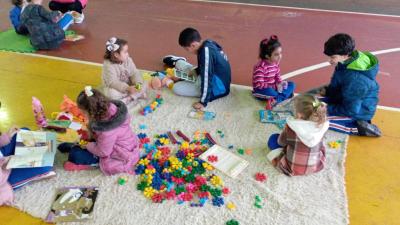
152 28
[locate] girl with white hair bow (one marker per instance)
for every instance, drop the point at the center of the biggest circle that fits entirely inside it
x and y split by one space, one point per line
122 80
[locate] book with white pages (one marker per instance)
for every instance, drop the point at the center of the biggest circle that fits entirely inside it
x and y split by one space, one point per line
33 149
228 162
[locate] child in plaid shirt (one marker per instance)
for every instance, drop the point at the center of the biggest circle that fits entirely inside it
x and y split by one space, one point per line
299 150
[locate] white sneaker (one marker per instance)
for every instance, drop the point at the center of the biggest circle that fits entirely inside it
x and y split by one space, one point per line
78 18
274 153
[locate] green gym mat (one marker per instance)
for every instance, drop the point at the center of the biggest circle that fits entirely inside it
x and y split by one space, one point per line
11 41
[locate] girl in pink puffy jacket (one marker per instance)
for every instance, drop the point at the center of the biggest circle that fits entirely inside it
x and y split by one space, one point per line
69 5
115 146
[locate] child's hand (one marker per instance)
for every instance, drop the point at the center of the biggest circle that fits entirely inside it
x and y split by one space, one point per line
322 91
13 130
83 143
284 84
198 106
132 90
58 17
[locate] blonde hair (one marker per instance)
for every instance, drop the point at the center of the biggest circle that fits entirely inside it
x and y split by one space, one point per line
310 108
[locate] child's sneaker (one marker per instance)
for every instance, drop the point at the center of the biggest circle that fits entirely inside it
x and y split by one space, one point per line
170 60
273 155
271 102
368 129
65 147
78 17
70 166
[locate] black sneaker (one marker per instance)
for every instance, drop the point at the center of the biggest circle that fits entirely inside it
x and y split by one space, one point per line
170 60
368 129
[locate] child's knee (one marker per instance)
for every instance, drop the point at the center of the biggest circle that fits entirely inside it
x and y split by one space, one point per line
273 142
81 156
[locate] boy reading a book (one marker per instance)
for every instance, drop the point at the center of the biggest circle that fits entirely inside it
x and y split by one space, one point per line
214 70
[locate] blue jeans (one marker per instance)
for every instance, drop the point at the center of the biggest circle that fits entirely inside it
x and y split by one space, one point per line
21 176
82 156
77 154
263 94
273 142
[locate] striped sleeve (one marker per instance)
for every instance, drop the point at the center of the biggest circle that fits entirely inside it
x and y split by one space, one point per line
205 70
278 78
264 75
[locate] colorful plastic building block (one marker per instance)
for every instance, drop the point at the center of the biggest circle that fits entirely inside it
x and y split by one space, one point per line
183 136
248 151
210 139
212 158
232 222
153 106
260 177
231 206
334 144
122 180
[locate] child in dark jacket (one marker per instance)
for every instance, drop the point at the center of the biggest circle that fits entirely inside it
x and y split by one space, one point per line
352 94
15 16
46 29
213 70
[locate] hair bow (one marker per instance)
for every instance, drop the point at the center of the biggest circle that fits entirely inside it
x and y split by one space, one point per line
88 91
111 44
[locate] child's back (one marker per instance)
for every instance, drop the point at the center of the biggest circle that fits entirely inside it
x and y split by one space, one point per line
304 152
212 61
44 32
116 145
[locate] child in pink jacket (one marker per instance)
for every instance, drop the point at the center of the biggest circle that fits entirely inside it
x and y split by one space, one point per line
69 5
15 178
116 146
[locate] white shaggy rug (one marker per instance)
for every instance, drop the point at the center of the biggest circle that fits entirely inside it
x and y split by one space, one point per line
315 199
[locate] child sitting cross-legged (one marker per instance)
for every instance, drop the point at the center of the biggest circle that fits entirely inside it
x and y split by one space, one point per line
115 147
299 150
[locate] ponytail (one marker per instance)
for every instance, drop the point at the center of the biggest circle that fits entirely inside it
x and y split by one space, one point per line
311 108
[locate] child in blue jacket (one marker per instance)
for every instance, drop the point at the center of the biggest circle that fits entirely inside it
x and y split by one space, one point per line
352 94
213 69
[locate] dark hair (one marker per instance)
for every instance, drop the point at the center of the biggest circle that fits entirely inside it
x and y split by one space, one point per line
17 2
268 46
96 105
188 36
311 108
339 44
110 55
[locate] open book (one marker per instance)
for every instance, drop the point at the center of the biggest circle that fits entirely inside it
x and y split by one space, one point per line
73 204
33 149
201 115
185 71
229 163
275 117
